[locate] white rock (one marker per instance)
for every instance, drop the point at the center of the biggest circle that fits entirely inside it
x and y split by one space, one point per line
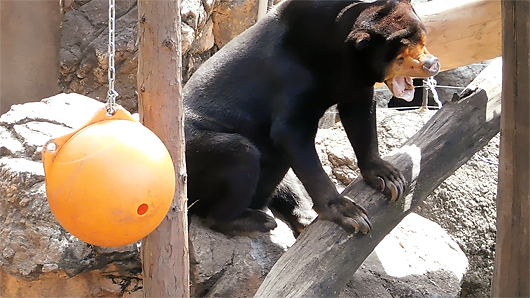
417 259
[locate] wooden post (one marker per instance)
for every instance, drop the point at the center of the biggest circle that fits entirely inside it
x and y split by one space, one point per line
511 277
325 257
165 258
461 32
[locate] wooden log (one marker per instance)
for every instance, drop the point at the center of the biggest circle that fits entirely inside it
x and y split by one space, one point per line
511 277
325 257
462 32
165 260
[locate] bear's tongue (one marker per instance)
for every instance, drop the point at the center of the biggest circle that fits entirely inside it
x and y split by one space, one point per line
402 87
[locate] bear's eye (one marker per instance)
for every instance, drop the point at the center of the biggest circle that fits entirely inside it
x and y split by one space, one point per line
400 60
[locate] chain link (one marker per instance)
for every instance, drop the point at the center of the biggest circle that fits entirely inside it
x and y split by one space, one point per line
112 94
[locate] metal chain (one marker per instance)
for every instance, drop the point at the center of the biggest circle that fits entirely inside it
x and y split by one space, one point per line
112 94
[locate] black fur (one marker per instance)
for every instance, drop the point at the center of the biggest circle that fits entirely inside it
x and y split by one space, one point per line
252 110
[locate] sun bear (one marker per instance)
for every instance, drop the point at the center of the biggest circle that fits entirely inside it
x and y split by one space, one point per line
252 109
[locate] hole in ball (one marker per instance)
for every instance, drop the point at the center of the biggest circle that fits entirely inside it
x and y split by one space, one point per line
142 209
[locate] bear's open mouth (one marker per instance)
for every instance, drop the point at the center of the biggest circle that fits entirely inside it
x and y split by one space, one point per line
401 87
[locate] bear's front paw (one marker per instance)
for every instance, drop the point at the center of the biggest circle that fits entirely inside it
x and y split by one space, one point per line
383 176
347 214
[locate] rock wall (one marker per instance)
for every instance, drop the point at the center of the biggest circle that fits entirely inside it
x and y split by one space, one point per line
37 257
96 283
206 26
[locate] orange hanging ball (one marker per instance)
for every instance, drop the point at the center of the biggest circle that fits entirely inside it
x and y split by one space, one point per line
110 182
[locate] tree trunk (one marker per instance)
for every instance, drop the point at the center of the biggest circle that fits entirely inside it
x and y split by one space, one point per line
511 277
325 257
164 251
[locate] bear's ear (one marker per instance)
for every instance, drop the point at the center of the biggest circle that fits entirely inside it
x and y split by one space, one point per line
398 35
360 39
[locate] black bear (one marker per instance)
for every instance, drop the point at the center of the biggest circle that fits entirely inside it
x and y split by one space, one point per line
252 109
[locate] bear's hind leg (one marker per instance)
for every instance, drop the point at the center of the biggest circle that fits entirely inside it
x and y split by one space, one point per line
223 172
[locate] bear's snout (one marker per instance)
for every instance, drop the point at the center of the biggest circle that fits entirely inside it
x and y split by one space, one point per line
431 64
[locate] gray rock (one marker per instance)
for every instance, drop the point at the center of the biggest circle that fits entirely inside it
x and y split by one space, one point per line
233 266
188 35
33 244
10 145
232 18
331 116
408 263
193 13
84 51
205 40
84 46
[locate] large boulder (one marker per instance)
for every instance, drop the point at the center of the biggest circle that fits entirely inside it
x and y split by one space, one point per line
232 17
417 259
224 266
37 257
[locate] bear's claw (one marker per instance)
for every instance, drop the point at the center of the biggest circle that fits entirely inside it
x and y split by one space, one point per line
347 214
383 176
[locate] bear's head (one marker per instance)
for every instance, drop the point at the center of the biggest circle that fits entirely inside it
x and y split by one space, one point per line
390 41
